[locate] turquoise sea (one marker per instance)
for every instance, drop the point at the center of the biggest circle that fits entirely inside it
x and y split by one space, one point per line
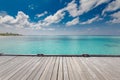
60 45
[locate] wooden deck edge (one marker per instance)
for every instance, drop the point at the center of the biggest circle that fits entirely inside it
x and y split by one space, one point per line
44 55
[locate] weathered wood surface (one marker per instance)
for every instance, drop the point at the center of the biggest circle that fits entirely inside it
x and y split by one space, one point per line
59 68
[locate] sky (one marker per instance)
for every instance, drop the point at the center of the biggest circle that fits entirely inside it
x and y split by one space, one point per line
60 17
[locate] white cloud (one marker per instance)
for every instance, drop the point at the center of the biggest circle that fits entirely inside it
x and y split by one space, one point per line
73 9
42 14
116 18
73 22
113 6
91 20
85 6
20 21
6 19
57 17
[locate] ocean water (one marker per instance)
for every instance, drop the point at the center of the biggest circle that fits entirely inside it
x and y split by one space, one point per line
60 45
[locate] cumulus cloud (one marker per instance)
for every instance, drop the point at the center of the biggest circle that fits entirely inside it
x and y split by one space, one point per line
42 14
113 6
57 17
73 22
91 20
74 10
20 21
6 19
85 6
116 18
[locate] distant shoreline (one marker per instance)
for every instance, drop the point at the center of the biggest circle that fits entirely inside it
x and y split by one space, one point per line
15 34
10 34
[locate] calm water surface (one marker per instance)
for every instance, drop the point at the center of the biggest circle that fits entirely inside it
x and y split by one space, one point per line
60 44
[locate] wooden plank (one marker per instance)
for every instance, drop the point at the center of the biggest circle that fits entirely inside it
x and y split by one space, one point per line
11 73
112 68
40 73
23 71
5 59
74 69
65 69
60 71
30 71
70 70
59 68
41 64
50 70
44 74
105 69
55 70
10 65
93 72
82 70
102 69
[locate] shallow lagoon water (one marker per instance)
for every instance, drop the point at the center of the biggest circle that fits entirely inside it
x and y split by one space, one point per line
60 45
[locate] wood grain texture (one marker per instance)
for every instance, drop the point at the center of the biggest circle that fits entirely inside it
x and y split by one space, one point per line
59 68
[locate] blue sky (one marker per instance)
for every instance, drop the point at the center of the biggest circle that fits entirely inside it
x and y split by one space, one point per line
60 17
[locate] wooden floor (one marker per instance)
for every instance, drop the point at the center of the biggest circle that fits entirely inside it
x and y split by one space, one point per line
59 68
